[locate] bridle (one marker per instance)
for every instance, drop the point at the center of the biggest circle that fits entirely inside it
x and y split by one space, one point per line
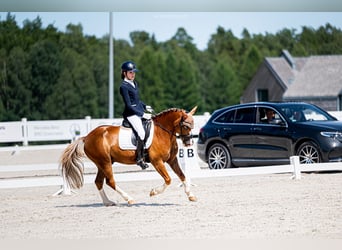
186 138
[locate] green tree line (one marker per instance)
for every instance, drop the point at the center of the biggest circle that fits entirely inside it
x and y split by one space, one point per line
49 74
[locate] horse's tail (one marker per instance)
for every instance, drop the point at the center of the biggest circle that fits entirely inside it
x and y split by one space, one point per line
71 164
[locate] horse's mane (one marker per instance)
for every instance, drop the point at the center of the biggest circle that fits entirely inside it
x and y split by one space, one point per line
164 112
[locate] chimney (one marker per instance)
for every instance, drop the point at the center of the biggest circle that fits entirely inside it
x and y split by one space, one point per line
288 58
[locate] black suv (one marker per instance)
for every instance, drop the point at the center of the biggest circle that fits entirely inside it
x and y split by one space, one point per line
264 133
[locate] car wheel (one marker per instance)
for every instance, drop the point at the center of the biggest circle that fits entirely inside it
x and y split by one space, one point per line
219 157
308 153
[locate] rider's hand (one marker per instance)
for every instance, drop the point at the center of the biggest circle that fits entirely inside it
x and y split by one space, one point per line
149 109
147 116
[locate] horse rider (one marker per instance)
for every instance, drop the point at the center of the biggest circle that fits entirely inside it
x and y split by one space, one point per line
135 110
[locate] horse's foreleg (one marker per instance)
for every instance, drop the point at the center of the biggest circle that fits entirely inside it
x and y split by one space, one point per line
178 171
188 192
161 169
158 190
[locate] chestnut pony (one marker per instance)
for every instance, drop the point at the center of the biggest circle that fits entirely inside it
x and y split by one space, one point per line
102 147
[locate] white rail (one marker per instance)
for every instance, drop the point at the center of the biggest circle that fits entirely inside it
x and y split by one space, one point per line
295 168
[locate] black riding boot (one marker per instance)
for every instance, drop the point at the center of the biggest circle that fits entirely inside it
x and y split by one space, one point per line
140 154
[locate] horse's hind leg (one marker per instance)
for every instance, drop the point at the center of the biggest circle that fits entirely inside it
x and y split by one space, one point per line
99 184
108 175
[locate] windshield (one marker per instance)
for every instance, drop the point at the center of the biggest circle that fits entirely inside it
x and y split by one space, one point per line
304 113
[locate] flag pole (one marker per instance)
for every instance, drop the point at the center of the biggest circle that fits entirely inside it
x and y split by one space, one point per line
111 78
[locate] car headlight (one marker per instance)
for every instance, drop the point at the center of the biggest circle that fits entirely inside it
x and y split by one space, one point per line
335 135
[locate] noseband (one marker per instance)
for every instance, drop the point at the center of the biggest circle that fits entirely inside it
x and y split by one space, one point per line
186 138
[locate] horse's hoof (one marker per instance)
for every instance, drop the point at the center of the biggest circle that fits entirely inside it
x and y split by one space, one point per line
153 192
131 202
192 198
109 204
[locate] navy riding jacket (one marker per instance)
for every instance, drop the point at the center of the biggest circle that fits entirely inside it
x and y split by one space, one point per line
130 95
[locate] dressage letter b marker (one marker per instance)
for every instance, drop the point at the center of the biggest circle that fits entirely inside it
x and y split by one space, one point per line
181 153
189 151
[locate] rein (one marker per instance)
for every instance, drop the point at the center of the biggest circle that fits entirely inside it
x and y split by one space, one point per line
165 129
172 132
183 123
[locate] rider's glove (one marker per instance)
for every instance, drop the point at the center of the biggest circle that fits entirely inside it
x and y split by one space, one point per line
149 109
147 116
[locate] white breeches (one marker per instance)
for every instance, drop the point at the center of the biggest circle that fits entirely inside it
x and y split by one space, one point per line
137 125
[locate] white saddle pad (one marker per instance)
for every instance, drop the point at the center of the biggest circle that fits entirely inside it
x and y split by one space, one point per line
125 138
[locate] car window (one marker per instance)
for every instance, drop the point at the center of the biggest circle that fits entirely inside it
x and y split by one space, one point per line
301 113
227 117
313 115
269 116
244 115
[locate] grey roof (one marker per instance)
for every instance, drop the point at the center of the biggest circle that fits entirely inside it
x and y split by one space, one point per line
319 76
284 71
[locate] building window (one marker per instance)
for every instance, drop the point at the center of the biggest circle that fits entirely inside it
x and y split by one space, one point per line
262 95
339 103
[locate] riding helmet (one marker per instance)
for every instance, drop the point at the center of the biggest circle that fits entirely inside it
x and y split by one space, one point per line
129 66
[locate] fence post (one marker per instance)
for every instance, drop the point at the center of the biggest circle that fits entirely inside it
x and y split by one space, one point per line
65 188
294 160
88 119
24 131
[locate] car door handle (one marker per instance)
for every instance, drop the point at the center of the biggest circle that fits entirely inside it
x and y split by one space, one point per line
257 129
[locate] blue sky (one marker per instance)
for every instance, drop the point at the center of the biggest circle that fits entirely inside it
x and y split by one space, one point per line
199 25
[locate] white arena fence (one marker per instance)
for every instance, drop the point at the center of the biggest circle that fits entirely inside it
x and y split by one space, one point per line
25 131
64 130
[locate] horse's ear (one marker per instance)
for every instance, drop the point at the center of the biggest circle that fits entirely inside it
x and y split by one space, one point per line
193 110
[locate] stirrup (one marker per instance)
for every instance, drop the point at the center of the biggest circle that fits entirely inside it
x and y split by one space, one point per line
142 164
